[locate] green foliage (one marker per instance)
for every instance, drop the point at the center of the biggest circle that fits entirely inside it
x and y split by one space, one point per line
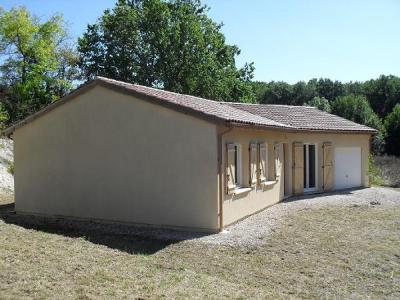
392 126
299 93
167 44
10 168
321 103
383 93
374 173
34 58
356 108
327 88
3 116
277 93
302 93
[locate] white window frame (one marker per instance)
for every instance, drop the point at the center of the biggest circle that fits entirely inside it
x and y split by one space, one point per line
306 190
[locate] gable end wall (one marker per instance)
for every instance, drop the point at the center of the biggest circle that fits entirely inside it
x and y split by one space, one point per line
105 155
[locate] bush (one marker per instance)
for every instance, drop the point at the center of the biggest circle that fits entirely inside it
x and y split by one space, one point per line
3 117
321 103
392 126
10 168
375 177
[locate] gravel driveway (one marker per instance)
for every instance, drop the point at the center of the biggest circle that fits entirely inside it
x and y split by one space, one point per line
252 230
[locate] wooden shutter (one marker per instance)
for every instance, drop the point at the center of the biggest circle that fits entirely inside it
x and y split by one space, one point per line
298 168
277 162
253 164
327 166
230 168
262 162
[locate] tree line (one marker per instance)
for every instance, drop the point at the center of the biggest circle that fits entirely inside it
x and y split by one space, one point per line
375 103
172 45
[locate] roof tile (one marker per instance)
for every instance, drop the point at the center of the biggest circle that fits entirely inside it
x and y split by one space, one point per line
302 117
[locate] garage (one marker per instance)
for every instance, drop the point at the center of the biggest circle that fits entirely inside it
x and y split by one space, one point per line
347 167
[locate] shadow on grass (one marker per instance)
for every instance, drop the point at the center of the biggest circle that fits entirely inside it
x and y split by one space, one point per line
126 238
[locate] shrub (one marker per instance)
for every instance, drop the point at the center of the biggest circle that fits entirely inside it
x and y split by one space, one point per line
375 177
320 102
3 116
10 168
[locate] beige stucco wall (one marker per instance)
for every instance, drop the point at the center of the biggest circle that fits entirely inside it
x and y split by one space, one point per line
108 156
235 207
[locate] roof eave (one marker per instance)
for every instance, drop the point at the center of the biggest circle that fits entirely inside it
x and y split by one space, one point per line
294 129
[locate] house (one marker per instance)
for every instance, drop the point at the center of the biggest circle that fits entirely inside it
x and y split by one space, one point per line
121 152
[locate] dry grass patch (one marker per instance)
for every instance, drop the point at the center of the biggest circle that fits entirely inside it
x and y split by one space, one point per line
330 252
390 169
6 199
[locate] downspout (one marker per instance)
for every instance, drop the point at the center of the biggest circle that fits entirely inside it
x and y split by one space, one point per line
221 179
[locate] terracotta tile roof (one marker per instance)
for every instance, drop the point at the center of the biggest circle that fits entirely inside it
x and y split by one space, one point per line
302 117
208 108
236 114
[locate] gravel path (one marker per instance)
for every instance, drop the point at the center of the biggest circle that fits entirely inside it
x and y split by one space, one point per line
6 157
252 230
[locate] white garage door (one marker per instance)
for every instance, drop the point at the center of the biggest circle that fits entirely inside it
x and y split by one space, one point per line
347 167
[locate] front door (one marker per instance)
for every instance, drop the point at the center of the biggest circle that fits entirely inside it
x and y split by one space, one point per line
310 167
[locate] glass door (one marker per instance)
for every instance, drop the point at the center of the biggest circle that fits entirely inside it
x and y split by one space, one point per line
310 167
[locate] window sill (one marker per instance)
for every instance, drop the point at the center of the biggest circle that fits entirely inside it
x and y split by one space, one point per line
239 191
268 183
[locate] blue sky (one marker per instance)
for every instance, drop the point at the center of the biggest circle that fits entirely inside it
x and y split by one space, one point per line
288 40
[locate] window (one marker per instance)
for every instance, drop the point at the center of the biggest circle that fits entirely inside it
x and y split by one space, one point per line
277 149
253 164
310 167
233 166
263 162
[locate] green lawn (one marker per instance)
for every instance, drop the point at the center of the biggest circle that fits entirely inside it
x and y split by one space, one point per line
331 252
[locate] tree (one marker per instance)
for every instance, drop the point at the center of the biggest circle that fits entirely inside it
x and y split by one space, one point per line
383 93
167 44
354 87
303 92
392 125
327 88
277 93
32 54
357 109
321 103
259 89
